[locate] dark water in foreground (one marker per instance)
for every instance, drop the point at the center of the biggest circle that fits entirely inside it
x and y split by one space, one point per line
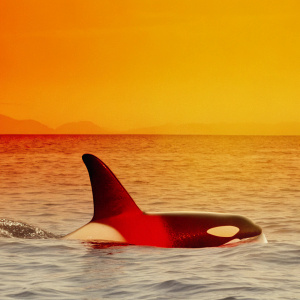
45 193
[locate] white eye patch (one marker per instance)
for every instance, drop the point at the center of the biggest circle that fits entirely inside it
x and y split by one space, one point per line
223 231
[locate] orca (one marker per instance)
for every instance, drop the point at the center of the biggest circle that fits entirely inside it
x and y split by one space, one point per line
117 219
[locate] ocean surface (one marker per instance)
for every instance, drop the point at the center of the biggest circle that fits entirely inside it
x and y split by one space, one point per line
45 193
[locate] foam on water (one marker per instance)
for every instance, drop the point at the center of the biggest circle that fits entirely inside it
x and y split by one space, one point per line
16 229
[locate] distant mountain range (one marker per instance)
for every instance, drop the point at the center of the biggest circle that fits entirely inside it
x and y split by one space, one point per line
12 126
284 128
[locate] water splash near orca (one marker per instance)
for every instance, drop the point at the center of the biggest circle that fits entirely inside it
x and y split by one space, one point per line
17 229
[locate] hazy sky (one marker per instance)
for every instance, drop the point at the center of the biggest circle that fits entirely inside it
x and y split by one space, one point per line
124 64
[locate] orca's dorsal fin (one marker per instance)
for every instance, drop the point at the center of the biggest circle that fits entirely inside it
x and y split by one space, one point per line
110 197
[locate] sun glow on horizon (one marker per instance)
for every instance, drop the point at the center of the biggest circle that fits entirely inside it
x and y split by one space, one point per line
147 63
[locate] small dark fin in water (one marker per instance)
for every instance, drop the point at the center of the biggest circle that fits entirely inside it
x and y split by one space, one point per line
110 197
16 229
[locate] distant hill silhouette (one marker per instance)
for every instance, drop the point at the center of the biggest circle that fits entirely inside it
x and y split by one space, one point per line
82 127
12 126
223 129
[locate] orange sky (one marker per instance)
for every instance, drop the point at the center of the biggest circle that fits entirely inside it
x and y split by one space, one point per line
125 64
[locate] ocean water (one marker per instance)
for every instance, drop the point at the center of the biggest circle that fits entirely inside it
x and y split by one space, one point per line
45 193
